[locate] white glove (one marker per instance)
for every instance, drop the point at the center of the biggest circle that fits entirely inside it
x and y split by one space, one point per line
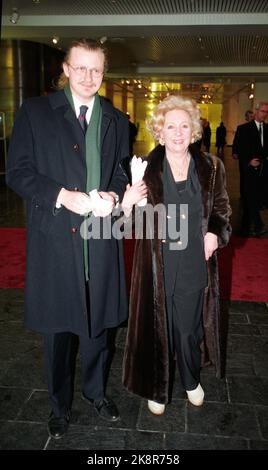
100 207
138 168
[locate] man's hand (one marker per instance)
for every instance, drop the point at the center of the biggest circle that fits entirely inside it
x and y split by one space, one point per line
255 162
109 196
101 204
75 201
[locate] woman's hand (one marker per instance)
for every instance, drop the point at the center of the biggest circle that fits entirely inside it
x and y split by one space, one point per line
210 244
133 195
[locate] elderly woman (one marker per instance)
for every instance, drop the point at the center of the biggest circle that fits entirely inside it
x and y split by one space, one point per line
174 305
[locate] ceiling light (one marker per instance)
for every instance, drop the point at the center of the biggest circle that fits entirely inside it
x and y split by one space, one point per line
14 17
103 39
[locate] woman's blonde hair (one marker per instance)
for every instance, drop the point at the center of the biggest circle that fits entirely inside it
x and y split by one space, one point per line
156 122
88 44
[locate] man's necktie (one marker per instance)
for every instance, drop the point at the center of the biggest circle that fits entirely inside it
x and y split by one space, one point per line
260 132
82 117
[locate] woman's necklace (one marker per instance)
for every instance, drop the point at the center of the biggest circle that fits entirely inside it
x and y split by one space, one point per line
181 171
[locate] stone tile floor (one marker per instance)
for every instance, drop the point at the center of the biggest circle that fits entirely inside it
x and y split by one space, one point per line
234 415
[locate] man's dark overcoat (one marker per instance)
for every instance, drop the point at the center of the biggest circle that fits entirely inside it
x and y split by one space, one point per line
47 152
146 368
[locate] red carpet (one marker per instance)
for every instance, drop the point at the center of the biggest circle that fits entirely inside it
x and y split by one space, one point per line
243 268
12 257
243 265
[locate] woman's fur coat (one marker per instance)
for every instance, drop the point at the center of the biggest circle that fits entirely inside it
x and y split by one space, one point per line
147 361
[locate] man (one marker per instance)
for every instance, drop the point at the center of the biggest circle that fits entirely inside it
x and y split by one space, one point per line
249 116
221 133
251 146
64 146
206 135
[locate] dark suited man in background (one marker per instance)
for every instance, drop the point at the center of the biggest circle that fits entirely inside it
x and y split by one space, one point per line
63 147
251 147
221 133
249 116
206 135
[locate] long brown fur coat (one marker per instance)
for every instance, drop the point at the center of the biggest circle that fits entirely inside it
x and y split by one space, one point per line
147 361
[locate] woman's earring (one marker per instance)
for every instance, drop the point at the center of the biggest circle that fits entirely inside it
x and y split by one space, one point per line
161 141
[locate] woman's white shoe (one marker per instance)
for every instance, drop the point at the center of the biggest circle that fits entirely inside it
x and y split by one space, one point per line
156 408
196 396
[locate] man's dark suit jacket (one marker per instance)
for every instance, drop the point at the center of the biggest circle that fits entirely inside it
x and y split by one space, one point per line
247 143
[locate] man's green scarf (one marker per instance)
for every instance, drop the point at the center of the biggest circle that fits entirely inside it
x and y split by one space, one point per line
93 161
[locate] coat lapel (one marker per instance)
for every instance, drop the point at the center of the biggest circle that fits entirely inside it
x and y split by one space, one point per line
59 102
105 123
107 116
71 117
204 168
153 175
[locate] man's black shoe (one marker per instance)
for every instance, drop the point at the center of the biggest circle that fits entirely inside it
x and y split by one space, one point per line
105 408
261 232
58 426
252 233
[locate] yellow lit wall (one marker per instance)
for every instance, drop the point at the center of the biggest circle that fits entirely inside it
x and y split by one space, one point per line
118 100
130 107
144 142
140 110
213 114
102 90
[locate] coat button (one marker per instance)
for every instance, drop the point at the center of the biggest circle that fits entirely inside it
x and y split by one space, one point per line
73 229
183 216
76 147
